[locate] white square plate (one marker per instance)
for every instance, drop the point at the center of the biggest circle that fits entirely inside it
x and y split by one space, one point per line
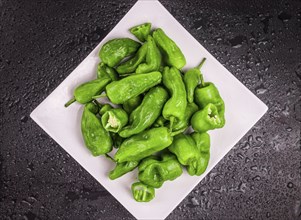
243 110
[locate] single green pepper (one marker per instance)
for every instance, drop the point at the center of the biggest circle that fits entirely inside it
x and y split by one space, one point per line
191 79
153 58
85 92
104 71
142 192
122 168
174 108
182 124
121 91
117 140
208 93
114 119
206 119
131 65
192 151
143 144
141 31
115 50
104 108
131 104
155 172
172 54
96 138
146 113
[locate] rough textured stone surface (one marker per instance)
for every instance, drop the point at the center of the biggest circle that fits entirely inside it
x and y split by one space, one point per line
41 42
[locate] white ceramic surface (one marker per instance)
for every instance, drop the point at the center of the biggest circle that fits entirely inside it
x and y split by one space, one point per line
243 110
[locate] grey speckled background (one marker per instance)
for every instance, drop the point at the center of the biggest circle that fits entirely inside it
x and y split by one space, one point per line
41 42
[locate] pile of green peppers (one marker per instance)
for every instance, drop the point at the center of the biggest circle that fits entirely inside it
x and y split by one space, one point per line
151 106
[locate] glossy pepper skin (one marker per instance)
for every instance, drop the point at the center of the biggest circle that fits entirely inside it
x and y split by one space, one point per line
131 65
208 93
131 104
146 113
96 138
154 172
192 151
207 119
114 119
85 92
192 78
104 71
117 49
174 108
143 144
182 124
120 91
153 58
172 54
141 31
122 168
142 192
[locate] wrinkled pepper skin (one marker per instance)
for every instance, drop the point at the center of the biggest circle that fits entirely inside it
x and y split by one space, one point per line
192 151
174 108
114 119
131 65
142 192
131 104
141 31
104 71
172 54
143 144
154 172
147 113
153 58
122 168
192 78
96 138
85 92
117 49
208 93
182 124
207 119
120 91
103 109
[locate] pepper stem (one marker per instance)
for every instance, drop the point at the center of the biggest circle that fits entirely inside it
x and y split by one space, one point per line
99 96
172 119
109 157
202 63
70 102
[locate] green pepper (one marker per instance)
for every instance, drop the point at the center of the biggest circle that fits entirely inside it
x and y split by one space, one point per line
103 109
206 119
143 144
117 49
96 138
160 122
131 65
146 113
153 58
174 108
208 93
191 79
182 124
172 54
141 31
142 192
114 119
192 151
154 172
122 168
131 104
85 92
104 71
121 91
